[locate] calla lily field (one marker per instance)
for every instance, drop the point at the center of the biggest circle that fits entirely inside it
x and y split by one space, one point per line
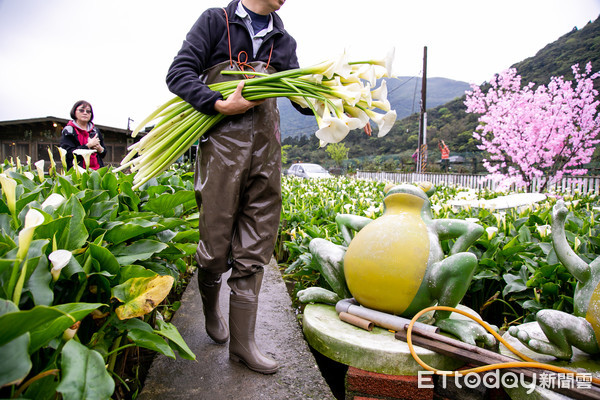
86 265
518 272
83 254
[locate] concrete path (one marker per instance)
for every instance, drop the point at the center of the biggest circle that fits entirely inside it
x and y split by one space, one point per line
213 376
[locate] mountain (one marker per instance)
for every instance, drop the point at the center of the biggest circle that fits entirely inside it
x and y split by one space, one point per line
404 95
449 121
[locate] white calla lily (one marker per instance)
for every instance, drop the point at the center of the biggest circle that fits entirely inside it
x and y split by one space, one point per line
367 72
331 129
382 105
352 122
491 231
54 201
52 163
29 175
339 67
9 187
381 92
387 63
59 260
358 113
33 219
384 121
86 154
63 158
544 230
39 166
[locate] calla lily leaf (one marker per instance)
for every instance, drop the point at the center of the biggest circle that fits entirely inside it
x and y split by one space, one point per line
17 323
16 362
169 331
105 259
140 250
141 295
166 203
152 341
84 375
72 312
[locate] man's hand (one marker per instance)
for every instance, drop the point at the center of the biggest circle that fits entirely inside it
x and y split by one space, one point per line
236 103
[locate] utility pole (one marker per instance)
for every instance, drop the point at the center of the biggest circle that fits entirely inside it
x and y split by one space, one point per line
422 155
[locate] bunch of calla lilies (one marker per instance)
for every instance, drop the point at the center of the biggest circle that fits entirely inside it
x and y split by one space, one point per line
338 92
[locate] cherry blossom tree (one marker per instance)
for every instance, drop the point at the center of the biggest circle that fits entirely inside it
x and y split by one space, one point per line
538 133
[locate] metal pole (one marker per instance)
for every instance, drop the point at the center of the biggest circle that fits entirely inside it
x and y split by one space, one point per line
423 121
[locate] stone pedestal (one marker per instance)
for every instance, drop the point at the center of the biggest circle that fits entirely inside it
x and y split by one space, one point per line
581 363
380 366
375 351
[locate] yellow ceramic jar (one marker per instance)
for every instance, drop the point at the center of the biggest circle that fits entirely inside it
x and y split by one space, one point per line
387 259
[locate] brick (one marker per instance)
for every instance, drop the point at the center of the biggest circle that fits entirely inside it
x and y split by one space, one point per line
388 386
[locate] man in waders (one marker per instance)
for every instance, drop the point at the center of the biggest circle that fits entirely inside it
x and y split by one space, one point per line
238 166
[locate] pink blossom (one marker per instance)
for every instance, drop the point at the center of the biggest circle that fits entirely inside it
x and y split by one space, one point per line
542 132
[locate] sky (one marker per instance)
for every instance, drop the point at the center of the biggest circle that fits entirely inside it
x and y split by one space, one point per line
116 53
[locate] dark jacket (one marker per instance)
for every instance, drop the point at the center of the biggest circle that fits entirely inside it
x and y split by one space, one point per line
70 142
206 45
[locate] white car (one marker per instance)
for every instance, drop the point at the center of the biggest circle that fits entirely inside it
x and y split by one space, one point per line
304 170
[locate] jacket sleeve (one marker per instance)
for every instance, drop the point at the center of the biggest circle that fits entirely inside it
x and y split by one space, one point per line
101 143
191 60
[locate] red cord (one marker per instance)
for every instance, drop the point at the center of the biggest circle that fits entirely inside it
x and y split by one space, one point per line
242 64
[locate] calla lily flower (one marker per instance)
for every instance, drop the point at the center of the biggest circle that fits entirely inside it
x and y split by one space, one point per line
382 105
381 92
332 129
54 201
350 94
387 63
358 113
384 121
29 175
33 219
59 260
51 157
491 231
544 230
63 158
9 187
339 67
86 154
18 163
367 72
351 122
39 166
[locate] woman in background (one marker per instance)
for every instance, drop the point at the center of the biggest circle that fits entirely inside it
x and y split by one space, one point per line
81 133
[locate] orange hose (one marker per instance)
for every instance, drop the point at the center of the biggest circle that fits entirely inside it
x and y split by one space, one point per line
528 363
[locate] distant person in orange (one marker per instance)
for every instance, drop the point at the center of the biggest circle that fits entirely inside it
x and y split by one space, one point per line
445 155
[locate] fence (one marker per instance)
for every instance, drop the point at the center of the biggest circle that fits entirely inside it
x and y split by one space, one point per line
583 184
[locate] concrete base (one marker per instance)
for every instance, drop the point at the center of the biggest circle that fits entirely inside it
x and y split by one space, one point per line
376 351
581 362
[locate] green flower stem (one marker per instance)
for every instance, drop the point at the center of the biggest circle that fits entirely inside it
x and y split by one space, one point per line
12 281
112 359
150 170
19 285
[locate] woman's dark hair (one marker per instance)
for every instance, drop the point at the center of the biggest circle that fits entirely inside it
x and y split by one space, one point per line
82 103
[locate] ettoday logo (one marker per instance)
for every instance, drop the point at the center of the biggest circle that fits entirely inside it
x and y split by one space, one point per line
509 380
